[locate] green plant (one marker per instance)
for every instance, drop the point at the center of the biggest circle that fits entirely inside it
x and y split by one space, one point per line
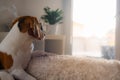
52 16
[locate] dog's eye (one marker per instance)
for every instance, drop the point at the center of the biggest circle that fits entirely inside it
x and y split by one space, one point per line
41 26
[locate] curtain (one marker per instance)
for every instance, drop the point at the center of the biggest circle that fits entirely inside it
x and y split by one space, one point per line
67 23
117 45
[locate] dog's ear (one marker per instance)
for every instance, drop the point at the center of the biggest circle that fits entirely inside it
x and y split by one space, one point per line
24 23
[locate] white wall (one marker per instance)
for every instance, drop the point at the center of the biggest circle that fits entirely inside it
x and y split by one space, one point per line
9 9
35 7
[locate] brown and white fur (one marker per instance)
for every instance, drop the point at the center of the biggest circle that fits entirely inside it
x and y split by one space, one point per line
15 49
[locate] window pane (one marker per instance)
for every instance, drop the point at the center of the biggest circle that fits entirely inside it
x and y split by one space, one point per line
94 27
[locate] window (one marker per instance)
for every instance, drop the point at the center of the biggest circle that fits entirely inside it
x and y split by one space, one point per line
94 27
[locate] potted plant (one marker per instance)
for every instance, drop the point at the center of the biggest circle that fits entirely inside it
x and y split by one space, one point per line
52 18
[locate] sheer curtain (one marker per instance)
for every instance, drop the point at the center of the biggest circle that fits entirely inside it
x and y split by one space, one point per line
67 27
67 23
117 45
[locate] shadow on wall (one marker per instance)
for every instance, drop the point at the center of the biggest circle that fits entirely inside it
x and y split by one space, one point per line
8 12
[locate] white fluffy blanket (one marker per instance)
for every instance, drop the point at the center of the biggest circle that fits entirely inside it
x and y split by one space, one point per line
46 66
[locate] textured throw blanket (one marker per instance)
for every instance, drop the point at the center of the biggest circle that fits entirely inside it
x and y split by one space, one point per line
47 66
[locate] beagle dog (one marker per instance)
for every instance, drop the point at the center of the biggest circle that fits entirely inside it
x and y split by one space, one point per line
16 47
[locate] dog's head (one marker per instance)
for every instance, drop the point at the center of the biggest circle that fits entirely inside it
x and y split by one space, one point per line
30 25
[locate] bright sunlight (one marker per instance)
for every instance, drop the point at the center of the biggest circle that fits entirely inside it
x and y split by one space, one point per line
93 19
